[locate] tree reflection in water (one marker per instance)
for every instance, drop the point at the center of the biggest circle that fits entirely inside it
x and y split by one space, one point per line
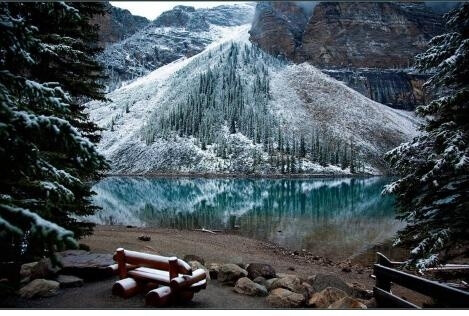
334 217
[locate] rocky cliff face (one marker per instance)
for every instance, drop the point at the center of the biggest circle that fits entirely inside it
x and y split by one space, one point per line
278 27
398 89
367 45
367 34
183 16
117 24
180 32
235 109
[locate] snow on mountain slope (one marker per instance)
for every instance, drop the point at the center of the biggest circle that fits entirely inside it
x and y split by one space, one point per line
180 32
234 109
317 99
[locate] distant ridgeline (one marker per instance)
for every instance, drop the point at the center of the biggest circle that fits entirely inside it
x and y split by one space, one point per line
229 103
329 35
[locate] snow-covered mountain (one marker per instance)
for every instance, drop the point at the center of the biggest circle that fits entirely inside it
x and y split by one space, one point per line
234 109
180 32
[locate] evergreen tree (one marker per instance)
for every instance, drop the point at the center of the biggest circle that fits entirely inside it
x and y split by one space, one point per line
302 146
45 152
434 167
344 161
70 40
233 126
352 158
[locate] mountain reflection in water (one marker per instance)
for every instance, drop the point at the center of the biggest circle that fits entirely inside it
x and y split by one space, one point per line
337 218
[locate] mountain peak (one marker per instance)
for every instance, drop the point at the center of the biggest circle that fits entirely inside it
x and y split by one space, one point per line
180 32
236 109
184 8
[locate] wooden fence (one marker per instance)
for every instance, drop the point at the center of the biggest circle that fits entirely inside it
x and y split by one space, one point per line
385 275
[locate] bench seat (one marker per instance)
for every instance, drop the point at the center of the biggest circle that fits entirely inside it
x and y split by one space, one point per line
168 278
155 275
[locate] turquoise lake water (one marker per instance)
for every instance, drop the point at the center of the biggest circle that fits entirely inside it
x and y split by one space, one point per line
333 217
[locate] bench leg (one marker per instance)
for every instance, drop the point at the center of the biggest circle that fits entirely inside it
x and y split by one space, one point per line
159 297
126 288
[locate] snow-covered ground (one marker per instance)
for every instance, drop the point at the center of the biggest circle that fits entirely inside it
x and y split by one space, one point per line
315 98
301 98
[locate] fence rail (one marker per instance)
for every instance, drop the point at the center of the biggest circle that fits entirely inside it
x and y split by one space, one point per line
385 275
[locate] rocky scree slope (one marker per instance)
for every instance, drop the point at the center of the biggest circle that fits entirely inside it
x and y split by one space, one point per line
236 109
364 41
180 32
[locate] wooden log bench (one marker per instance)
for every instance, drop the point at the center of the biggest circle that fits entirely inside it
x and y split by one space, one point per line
167 279
386 274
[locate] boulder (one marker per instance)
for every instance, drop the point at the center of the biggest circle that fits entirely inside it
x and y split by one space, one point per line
213 269
347 303
307 289
86 265
39 288
248 287
197 265
326 297
321 281
260 269
359 291
144 238
25 271
66 281
188 258
291 282
230 273
44 269
259 280
283 298
268 283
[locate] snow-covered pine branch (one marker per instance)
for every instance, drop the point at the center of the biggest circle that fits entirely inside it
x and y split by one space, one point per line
44 149
434 168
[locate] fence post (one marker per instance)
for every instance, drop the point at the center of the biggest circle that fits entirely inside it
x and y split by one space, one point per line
382 283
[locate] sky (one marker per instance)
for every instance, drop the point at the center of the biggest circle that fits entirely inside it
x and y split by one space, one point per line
152 9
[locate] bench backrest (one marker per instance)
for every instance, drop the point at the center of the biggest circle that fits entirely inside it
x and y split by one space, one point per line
171 264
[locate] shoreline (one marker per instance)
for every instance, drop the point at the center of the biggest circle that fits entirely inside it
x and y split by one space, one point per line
229 248
222 247
359 260
218 248
242 176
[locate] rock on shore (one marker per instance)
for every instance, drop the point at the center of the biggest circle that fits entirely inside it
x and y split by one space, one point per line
39 288
246 286
230 273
